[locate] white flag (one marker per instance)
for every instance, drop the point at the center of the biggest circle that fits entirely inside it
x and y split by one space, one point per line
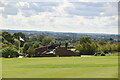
21 39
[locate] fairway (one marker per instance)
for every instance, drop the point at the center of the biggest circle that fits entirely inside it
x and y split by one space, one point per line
61 67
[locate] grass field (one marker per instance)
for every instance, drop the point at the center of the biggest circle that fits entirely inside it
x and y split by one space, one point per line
61 67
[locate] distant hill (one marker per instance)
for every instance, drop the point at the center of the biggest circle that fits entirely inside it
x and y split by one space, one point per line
65 35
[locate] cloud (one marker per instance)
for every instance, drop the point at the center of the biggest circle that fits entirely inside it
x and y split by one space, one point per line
25 8
62 24
64 16
93 9
63 8
63 0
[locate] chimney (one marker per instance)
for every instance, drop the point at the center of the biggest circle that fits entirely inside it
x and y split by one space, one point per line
66 45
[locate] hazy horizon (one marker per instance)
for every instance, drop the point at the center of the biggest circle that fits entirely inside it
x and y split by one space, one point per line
56 31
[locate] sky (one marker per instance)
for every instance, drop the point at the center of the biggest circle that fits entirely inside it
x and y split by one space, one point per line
61 16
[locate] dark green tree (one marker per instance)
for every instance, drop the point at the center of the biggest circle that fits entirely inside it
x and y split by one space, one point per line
85 40
36 45
47 40
26 47
40 37
18 35
86 46
7 36
9 52
31 51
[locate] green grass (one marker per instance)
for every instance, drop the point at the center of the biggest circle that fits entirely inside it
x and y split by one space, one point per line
0 68
61 67
113 54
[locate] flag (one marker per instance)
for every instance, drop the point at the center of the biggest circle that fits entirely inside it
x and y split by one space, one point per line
21 39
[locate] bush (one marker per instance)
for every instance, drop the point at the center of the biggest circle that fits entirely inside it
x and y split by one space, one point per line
97 54
102 54
9 52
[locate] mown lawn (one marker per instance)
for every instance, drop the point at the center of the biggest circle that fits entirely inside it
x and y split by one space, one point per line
61 67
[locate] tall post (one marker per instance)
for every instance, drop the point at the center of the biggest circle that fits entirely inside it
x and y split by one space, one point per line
66 45
19 45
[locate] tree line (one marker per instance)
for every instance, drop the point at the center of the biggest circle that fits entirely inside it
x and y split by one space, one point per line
86 46
13 47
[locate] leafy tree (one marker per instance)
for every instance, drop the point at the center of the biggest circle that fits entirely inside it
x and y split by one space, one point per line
26 47
47 40
16 43
9 52
7 36
101 42
55 42
115 47
4 45
106 48
19 34
31 51
85 40
118 48
36 45
33 38
103 48
111 39
86 46
40 37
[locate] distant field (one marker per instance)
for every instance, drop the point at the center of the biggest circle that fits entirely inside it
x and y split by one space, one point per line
61 67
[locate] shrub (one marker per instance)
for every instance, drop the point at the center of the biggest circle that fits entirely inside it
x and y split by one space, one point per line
102 54
97 54
9 52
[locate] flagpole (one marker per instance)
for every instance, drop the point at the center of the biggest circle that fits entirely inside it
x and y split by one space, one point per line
20 39
19 45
